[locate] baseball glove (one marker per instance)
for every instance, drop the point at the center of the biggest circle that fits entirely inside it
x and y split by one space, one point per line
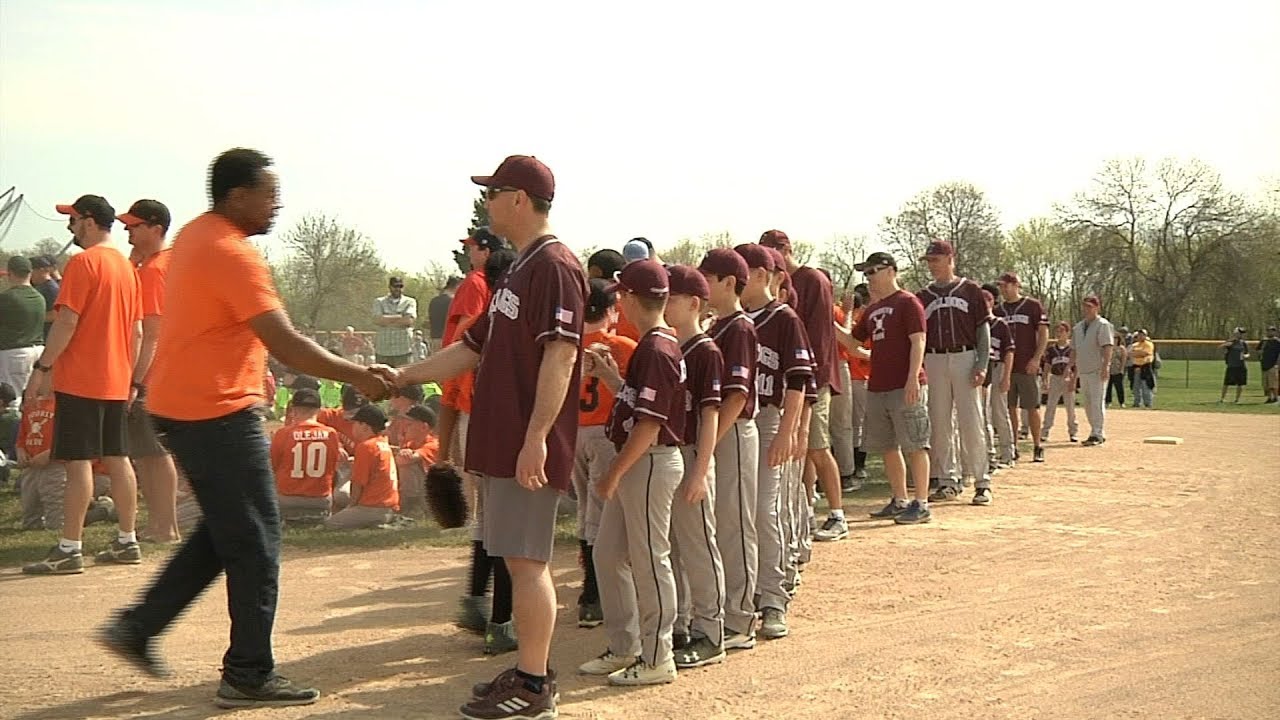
445 498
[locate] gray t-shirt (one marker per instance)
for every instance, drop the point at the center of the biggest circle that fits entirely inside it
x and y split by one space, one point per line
1089 338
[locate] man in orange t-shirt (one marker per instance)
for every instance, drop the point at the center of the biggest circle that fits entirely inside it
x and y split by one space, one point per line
147 223
87 364
375 481
221 317
304 455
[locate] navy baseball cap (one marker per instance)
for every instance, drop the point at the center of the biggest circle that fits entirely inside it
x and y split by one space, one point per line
372 416
484 240
94 206
877 260
150 212
306 398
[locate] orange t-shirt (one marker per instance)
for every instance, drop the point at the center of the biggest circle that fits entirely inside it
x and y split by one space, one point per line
595 400
429 451
337 419
625 327
35 433
375 474
859 369
209 362
101 287
305 457
151 281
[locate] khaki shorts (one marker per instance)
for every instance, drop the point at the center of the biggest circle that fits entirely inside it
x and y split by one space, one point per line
1024 391
143 442
820 421
893 425
1271 378
519 523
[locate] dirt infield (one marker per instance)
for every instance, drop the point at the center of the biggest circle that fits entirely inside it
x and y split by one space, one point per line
1128 581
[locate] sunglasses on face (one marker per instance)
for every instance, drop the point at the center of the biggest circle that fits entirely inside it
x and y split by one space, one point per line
873 270
492 193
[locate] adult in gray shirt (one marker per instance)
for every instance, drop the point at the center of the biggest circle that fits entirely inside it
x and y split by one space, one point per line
1093 340
394 314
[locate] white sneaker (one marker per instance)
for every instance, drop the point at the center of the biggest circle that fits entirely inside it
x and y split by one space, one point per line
739 641
642 673
605 664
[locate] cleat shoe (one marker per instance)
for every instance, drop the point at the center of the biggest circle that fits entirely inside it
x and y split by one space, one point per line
1073 439
680 641
473 613
945 492
121 639
590 615
914 514
120 554
500 638
57 562
893 509
774 625
605 664
860 474
833 529
982 496
1038 455
509 699
276 691
642 673
1092 441
700 652
739 641
848 485
480 690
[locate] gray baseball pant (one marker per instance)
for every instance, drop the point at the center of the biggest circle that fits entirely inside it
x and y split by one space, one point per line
842 439
737 458
998 412
1060 389
771 517
696 558
633 558
954 399
1094 388
594 454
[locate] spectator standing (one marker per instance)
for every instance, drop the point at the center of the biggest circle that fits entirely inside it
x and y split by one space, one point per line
1269 355
1119 362
438 312
1237 373
21 325
1093 342
394 314
418 349
46 280
1143 355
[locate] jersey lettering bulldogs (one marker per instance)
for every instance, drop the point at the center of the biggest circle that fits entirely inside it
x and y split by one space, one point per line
1001 339
953 313
1025 317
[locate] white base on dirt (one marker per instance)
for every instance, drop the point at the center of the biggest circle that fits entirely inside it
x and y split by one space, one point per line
1163 440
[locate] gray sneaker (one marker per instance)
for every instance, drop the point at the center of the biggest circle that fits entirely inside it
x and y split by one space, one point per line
500 638
57 563
774 624
833 529
982 496
276 691
698 653
473 613
860 474
120 554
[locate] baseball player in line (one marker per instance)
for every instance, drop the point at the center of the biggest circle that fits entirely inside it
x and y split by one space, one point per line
999 376
633 546
1030 326
1060 378
957 348
737 444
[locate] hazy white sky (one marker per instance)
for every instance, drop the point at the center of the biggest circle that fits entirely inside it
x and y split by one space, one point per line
658 119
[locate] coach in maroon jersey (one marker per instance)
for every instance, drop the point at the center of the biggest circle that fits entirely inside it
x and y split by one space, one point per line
1030 326
526 354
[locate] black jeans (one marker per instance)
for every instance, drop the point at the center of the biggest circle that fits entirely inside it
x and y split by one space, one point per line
1116 381
227 462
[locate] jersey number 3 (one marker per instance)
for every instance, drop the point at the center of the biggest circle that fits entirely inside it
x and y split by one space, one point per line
309 460
592 401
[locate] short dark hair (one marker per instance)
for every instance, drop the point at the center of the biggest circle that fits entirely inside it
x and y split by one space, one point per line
738 285
540 206
497 264
235 168
609 261
452 283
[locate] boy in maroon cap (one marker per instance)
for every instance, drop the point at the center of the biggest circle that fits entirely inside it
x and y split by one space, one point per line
646 425
1029 324
1060 379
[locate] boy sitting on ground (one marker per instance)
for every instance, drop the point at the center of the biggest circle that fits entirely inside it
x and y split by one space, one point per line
304 455
375 486
415 452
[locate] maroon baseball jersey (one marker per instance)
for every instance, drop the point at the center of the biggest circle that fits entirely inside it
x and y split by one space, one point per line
952 314
1025 316
1001 339
783 359
735 335
889 324
653 388
816 308
540 299
703 367
1058 358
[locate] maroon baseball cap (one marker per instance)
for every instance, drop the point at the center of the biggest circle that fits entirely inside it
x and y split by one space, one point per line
940 248
757 256
1093 300
775 239
645 278
1010 277
521 172
779 262
686 280
724 262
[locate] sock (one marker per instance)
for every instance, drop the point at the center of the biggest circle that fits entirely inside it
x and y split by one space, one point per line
501 594
590 588
900 502
924 504
837 514
481 564
859 459
67 546
125 538
532 683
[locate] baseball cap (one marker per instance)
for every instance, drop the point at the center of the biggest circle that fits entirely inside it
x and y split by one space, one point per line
522 172
1093 300
94 206
484 239
303 382
372 416
940 247
637 249
877 260
724 262
779 262
40 262
599 297
1009 277
412 391
645 278
992 288
151 212
19 266
306 398
756 256
775 239
686 280
422 413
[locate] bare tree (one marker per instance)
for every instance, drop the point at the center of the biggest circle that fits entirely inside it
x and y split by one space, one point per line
330 274
955 211
690 251
838 256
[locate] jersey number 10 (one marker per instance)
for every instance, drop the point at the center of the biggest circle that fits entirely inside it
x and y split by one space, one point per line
316 456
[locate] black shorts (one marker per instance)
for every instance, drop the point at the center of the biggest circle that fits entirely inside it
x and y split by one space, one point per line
88 429
1236 376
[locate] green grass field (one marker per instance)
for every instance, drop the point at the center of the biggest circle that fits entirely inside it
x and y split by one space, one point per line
1196 385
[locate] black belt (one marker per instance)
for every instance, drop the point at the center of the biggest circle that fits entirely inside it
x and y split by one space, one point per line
950 350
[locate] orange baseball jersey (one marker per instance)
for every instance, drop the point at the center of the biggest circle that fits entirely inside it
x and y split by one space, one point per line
595 400
429 451
859 369
337 419
305 457
376 475
625 327
35 434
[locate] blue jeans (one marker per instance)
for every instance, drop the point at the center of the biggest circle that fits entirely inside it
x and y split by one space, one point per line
227 462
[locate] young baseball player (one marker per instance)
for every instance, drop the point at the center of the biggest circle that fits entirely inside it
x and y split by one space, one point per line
375 484
416 449
1000 376
737 443
783 369
595 451
304 455
1029 324
1060 377
957 349
897 407
694 550
633 546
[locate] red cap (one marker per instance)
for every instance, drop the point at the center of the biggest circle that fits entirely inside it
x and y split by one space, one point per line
1093 300
521 172
757 256
686 280
775 239
940 247
779 262
1009 277
724 262
645 278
